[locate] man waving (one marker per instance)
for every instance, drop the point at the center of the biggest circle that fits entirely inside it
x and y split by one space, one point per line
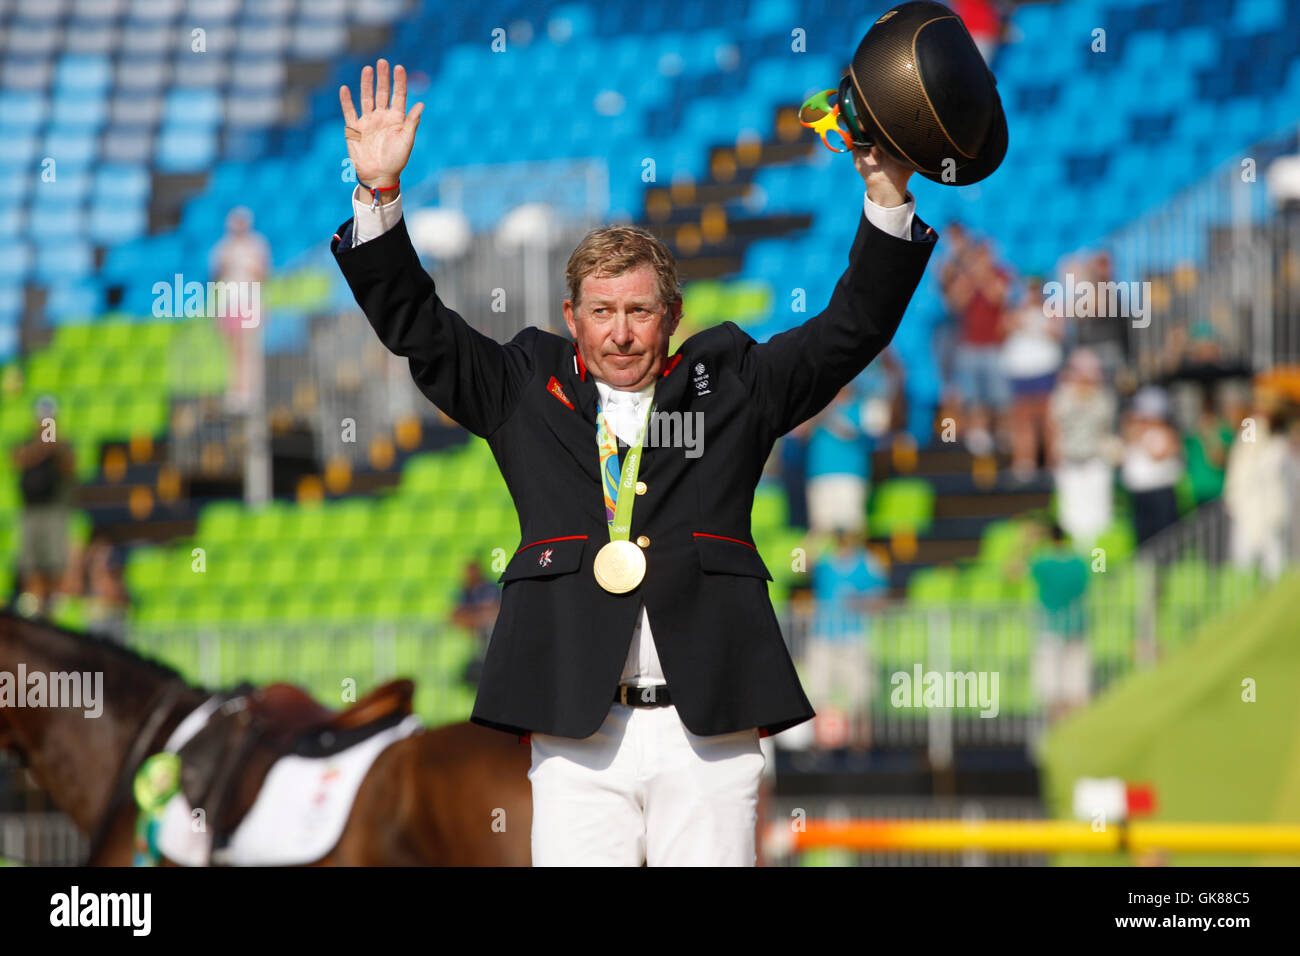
636 648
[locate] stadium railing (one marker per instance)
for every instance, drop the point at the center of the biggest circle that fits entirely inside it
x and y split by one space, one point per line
1220 255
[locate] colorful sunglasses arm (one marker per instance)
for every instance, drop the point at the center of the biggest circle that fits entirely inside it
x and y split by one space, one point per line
827 121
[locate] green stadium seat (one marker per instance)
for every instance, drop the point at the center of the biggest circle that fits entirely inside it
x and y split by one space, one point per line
934 586
983 586
769 509
146 570
350 519
1003 541
312 522
155 335
746 302
1119 541
424 475
220 521
902 504
702 302
1021 591
266 522
77 337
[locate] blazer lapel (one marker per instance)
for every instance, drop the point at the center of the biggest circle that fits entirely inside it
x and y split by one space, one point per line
586 397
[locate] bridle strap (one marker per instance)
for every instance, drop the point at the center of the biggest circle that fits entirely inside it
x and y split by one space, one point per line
160 708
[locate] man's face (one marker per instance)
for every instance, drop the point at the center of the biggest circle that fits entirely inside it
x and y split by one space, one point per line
621 327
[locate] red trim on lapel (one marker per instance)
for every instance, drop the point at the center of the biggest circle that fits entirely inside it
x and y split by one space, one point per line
672 364
567 537
554 387
582 366
705 534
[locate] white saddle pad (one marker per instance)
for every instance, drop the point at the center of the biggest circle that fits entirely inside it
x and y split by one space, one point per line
298 816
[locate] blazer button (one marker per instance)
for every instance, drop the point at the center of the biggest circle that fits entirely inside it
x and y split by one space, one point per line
643 541
640 487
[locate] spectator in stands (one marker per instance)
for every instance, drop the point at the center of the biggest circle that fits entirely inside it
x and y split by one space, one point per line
1292 473
1105 334
984 21
47 482
243 256
476 611
1062 665
1152 462
1194 357
849 581
975 289
107 599
1081 419
839 463
884 398
1206 448
1031 357
1254 493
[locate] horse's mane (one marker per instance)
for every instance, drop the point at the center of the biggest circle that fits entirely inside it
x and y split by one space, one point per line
99 644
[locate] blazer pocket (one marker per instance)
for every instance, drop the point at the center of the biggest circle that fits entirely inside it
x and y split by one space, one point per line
721 554
545 558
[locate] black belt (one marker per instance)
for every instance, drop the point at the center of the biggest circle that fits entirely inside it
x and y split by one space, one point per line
655 695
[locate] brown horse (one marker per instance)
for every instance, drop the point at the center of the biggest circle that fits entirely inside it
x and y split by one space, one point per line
451 796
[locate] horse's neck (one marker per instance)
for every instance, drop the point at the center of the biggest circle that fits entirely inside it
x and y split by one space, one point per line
76 756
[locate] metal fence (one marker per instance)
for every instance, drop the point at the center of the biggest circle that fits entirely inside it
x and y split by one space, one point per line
41 839
1224 251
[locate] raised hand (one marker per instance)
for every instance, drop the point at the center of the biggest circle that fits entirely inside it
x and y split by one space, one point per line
380 139
886 177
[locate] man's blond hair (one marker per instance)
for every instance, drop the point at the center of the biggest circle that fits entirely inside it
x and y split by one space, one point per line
613 250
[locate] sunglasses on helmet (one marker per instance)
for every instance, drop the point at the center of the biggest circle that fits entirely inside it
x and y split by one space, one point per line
839 117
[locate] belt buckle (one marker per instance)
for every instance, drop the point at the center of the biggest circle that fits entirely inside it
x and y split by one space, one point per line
622 694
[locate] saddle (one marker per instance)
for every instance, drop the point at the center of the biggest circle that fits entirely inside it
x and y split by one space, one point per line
224 765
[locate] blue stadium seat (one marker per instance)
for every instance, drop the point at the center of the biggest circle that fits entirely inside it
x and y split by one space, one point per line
73 302
73 148
113 221
192 107
58 261
183 149
85 73
57 221
23 109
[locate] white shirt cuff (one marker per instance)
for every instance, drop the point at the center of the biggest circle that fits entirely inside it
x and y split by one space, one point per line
895 220
371 223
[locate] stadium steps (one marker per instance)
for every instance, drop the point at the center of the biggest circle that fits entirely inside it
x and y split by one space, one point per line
963 507
706 224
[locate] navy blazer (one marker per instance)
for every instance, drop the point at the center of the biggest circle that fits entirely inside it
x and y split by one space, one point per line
560 642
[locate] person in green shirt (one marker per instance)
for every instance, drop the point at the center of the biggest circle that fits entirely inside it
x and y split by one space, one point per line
1206 451
1062 664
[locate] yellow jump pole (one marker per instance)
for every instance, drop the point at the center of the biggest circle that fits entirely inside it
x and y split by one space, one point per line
1044 836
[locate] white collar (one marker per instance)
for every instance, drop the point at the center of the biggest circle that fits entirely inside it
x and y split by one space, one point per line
637 397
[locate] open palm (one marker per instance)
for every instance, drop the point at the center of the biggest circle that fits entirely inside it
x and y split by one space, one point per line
380 139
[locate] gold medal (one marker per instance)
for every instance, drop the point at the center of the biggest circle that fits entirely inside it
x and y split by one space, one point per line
619 567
